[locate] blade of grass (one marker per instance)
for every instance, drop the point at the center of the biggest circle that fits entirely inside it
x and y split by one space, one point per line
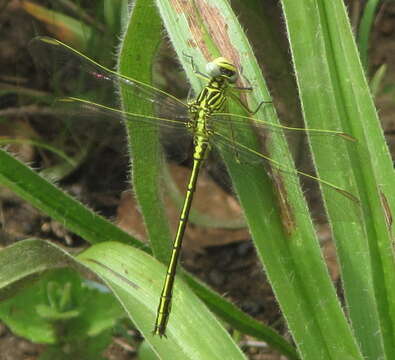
71 162
144 151
52 201
377 80
239 320
62 26
365 30
133 277
375 172
325 54
26 258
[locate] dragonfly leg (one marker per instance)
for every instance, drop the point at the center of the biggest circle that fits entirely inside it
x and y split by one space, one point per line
245 106
260 105
242 89
195 69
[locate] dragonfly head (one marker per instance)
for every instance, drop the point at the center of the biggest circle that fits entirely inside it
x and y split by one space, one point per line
221 67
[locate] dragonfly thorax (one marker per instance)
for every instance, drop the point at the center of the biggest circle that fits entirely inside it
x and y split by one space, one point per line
211 99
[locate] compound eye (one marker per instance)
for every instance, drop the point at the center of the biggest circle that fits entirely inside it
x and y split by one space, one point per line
213 69
229 74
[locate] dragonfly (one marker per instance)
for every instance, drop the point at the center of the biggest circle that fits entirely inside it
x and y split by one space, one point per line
202 119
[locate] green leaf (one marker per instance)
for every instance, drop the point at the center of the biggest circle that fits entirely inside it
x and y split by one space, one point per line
133 277
62 26
365 30
240 320
30 314
133 62
57 204
377 80
335 94
146 352
40 144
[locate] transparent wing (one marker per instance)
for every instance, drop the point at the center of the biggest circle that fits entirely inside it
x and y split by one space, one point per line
96 82
175 136
227 130
92 109
238 122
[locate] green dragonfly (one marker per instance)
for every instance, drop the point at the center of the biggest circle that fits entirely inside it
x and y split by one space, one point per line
201 119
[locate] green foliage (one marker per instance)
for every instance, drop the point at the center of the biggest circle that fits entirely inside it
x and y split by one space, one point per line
60 308
64 310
